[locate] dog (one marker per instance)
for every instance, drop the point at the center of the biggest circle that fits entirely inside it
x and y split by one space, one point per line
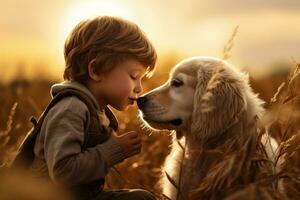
212 109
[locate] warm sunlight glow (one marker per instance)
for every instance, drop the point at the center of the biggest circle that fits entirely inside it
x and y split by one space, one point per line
34 32
80 10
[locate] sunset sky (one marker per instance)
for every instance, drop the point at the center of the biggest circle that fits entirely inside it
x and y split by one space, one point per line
32 32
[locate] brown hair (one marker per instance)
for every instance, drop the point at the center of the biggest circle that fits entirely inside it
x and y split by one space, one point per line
107 41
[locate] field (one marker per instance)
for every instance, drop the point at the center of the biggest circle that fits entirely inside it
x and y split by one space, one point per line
22 98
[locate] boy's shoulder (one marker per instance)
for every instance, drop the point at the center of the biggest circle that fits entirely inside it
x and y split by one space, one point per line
70 104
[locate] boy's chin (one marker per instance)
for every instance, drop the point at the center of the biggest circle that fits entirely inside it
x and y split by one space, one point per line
122 107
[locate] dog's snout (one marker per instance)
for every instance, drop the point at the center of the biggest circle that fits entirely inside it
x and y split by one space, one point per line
141 101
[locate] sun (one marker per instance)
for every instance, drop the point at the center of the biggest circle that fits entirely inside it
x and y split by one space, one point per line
80 10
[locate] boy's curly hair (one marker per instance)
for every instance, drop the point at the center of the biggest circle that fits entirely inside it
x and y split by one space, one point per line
108 41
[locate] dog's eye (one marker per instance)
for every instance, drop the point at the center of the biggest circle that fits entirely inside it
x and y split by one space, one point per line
176 83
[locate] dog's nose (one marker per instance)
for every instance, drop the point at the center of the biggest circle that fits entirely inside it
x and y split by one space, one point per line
141 101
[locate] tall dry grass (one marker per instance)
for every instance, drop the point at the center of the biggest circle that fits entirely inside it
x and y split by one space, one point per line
7 153
20 101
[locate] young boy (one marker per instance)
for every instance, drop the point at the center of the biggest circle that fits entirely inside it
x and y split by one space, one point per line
106 58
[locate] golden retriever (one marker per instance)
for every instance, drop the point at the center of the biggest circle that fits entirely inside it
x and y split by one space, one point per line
211 107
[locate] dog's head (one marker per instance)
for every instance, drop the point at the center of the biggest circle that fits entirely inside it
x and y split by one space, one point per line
203 96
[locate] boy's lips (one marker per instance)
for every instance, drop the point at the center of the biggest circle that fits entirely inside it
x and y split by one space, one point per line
132 100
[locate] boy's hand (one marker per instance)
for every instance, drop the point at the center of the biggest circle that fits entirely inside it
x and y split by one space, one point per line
130 142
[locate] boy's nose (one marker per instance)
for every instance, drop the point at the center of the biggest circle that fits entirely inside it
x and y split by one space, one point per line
141 101
138 89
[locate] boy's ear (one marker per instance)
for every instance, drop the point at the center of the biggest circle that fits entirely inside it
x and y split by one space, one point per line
93 72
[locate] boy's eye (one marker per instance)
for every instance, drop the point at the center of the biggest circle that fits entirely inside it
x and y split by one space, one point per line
176 83
133 77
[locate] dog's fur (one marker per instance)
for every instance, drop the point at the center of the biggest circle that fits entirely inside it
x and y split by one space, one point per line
209 103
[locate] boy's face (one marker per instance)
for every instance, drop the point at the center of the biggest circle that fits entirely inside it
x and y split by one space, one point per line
121 86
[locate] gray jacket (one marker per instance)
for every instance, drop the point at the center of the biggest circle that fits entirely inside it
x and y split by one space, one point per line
61 139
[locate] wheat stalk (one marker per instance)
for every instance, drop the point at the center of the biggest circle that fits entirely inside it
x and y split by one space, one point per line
180 172
279 95
9 121
229 45
208 94
4 135
156 194
215 78
279 90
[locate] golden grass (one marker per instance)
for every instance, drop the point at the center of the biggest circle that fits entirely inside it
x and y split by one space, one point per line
283 124
7 154
206 105
144 170
229 45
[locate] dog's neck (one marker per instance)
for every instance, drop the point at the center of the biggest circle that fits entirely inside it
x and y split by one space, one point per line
201 155
241 131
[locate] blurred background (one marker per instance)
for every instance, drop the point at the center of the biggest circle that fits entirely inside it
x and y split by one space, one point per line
32 34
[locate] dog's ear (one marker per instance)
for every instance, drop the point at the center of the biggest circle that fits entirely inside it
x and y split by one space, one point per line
218 101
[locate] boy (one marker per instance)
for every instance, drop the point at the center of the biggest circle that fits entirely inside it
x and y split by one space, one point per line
106 58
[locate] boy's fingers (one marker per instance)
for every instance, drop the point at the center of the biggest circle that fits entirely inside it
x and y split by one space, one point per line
126 135
114 134
132 134
136 139
135 142
137 151
138 147
134 153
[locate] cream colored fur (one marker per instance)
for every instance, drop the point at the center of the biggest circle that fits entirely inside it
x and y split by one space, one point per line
207 109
